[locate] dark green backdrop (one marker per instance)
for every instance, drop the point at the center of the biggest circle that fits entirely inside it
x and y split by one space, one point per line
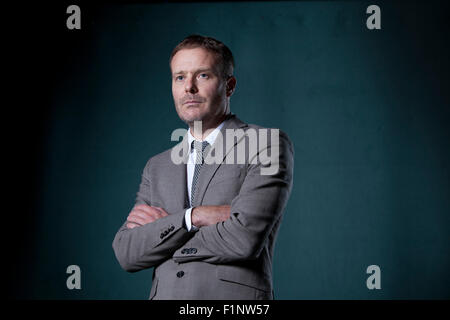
367 111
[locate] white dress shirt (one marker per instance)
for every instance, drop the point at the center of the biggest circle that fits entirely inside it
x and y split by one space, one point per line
190 167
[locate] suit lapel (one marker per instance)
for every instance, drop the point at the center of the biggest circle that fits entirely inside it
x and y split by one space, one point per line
208 170
177 175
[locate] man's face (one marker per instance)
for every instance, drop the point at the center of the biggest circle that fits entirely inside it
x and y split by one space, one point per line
198 90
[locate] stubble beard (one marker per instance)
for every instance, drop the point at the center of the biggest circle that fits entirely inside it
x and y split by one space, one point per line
205 118
190 121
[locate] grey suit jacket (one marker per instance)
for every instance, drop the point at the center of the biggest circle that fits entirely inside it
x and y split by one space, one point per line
228 260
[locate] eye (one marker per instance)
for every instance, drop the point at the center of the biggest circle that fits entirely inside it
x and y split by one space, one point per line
203 75
179 78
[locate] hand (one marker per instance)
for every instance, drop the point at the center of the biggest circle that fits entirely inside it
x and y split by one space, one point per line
208 215
142 214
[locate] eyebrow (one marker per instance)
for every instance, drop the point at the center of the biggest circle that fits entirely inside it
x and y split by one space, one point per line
197 71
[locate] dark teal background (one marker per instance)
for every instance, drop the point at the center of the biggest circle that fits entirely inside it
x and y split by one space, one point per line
367 111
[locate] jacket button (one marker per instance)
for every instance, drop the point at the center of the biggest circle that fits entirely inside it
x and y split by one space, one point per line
180 274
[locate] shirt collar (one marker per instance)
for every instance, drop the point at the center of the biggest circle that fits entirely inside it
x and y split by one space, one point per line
210 138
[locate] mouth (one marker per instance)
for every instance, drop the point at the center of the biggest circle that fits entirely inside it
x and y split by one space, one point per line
191 102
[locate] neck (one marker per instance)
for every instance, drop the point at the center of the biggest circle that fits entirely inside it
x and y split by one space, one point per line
207 127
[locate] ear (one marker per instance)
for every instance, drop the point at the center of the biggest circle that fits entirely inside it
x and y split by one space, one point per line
231 85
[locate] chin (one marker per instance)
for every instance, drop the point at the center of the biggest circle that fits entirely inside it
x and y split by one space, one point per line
189 118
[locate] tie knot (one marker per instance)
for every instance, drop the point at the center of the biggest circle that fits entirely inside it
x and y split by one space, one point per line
199 146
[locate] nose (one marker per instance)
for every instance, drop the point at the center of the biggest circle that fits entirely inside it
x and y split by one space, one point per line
190 85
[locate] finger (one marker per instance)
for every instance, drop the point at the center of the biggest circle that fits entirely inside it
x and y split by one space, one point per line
145 212
137 220
154 211
161 212
140 214
143 207
145 217
132 225
151 214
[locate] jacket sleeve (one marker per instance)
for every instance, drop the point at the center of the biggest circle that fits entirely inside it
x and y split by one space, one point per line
148 245
254 211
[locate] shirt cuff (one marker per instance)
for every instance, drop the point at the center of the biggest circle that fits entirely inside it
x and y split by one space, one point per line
187 220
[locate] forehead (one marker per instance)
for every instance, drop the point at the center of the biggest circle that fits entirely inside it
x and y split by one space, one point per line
188 60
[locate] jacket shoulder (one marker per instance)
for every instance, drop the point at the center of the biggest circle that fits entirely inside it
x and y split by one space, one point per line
284 137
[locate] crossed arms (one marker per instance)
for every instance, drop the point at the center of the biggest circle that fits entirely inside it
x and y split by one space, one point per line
201 216
228 233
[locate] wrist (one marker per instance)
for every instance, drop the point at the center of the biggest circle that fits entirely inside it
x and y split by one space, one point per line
195 217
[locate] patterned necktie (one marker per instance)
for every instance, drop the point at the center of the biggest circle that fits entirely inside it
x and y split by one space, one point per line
200 148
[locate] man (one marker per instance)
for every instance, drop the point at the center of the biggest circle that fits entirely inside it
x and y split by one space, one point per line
208 228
